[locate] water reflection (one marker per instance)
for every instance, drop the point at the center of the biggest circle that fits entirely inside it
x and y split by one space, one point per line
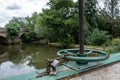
8 69
20 59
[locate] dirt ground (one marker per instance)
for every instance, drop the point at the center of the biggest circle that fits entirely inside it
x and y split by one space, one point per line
109 72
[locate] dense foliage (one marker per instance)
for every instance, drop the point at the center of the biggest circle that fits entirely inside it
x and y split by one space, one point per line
114 46
59 23
13 28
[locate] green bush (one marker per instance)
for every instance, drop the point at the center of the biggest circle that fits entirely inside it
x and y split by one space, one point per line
114 46
97 38
109 49
66 41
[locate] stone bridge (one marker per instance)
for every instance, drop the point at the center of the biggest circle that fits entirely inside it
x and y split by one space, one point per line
22 32
4 33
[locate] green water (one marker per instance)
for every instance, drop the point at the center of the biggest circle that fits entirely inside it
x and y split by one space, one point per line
21 59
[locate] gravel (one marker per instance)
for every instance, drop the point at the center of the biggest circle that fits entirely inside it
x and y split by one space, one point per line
110 72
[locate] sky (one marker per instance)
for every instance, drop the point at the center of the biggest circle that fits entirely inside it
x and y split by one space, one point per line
19 8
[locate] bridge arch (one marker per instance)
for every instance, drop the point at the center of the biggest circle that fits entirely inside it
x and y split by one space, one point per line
23 31
3 40
22 37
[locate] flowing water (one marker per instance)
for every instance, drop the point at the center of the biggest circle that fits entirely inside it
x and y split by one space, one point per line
21 59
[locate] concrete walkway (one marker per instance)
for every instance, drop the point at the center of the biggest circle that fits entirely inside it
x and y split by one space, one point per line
110 72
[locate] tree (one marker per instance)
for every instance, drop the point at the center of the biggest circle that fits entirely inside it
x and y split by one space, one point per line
111 10
90 11
30 23
60 20
97 38
13 27
16 23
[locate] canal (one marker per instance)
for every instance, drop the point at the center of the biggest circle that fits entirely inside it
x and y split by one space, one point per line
21 59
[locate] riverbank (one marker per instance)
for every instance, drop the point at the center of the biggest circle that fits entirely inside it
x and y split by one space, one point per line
77 46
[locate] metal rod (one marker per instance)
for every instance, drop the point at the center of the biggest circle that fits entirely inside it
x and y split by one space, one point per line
81 32
70 67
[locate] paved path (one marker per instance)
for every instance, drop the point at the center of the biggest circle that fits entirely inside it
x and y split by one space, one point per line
111 72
